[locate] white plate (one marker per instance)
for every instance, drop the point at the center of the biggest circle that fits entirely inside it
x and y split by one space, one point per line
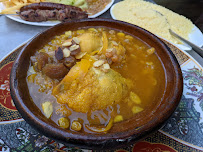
52 23
18 19
195 36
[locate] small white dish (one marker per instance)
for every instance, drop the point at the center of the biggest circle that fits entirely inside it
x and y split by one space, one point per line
103 11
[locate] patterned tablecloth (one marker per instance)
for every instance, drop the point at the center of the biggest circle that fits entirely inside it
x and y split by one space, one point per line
182 132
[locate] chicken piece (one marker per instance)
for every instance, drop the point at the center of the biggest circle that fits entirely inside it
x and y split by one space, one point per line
90 41
92 91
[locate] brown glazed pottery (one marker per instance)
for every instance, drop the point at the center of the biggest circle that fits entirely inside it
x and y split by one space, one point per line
121 134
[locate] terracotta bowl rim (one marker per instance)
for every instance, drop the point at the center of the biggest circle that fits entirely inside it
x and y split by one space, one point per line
96 140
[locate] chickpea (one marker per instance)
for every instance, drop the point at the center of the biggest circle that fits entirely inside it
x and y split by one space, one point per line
135 98
118 118
129 37
64 123
92 29
79 32
68 33
150 51
136 109
76 126
120 34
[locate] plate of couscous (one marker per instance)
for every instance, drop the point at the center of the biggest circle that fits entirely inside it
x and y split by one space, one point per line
158 20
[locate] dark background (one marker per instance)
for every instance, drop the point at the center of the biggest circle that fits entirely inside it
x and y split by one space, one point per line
192 9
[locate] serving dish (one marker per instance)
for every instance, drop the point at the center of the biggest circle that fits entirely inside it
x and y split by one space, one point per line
52 23
119 137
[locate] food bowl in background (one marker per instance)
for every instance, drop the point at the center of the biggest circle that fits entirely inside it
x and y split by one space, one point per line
121 134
